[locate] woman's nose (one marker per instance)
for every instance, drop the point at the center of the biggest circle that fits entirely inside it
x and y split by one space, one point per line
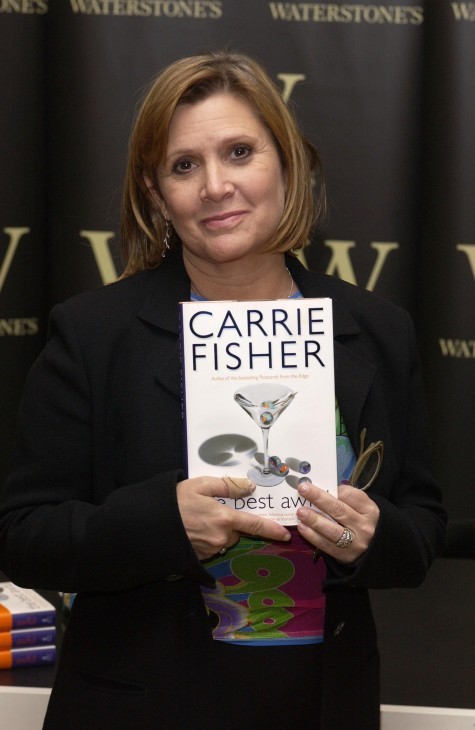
216 182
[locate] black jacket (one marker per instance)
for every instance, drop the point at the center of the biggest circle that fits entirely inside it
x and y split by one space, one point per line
91 503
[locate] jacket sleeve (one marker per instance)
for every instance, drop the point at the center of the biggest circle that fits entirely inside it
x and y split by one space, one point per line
411 529
54 532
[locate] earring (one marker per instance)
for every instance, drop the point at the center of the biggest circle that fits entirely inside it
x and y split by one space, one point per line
166 239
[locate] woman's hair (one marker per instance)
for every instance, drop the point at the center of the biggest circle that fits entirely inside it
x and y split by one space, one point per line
191 80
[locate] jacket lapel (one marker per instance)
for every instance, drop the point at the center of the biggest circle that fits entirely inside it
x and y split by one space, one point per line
160 308
354 377
355 370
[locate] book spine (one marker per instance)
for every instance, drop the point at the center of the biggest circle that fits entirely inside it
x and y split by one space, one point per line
32 620
33 656
27 637
183 386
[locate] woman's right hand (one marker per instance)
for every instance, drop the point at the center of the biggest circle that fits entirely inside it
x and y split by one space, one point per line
211 525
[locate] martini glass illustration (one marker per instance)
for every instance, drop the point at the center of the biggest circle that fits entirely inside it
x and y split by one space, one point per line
265 403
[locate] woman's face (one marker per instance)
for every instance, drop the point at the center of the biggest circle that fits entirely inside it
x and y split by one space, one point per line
222 183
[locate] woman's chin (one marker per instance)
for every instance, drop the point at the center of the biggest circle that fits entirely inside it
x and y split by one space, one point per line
223 252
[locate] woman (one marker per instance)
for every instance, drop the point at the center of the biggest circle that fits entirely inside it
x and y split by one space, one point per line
218 194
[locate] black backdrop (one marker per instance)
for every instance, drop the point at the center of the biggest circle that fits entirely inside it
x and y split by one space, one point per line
385 90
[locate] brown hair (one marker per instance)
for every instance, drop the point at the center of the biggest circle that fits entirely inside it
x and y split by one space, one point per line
189 81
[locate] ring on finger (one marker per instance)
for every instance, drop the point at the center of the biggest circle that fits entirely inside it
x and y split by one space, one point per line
223 551
346 538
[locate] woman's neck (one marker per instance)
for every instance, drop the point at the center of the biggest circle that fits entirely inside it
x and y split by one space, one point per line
263 277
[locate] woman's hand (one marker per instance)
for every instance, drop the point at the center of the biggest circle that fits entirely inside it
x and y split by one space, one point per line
353 510
211 525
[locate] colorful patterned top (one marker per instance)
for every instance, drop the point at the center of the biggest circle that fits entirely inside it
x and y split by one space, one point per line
271 592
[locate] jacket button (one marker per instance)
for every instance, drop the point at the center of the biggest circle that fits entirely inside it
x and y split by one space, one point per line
339 628
172 577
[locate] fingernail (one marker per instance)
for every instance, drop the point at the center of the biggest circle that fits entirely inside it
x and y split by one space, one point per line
302 513
303 488
287 537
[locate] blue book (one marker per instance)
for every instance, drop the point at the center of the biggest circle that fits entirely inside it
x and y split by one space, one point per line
32 656
22 638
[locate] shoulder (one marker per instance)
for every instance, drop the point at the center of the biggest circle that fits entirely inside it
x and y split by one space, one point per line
95 319
119 297
150 292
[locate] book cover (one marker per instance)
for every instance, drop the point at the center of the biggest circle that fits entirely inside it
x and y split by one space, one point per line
22 608
19 638
259 398
32 656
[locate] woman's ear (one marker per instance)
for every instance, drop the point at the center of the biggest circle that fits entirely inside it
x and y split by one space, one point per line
157 198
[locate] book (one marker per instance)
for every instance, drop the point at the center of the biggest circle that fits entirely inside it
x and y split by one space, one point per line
22 638
259 398
22 608
27 657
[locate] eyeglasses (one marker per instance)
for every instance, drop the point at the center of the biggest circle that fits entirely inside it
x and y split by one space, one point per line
367 464
365 472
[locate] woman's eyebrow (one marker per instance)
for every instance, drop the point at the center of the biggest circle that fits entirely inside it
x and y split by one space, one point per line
226 141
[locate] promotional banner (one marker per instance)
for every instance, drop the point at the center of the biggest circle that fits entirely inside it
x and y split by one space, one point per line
446 265
22 213
352 73
386 92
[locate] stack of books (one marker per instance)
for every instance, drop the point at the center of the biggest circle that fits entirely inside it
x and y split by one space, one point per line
27 628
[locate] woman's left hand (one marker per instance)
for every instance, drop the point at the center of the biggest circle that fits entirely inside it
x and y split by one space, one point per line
352 511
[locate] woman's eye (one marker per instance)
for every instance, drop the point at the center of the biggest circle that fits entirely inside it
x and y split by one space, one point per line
183 166
240 152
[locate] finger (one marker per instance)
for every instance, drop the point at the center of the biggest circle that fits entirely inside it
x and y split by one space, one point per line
325 534
238 486
355 498
327 503
227 487
249 524
365 510
329 547
325 529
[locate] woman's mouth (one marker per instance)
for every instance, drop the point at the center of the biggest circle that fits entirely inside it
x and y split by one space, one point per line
224 220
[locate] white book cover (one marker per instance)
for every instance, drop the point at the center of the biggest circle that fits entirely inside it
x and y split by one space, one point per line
22 608
259 398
